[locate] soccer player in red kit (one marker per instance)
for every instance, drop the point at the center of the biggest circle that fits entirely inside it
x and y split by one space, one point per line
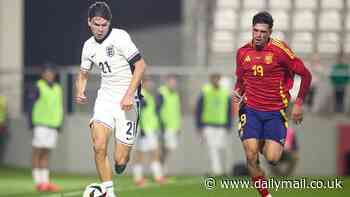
265 71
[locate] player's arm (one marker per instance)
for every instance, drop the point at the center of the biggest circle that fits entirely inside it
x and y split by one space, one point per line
198 113
296 66
139 70
198 118
137 64
80 85
82 77
238 88
33 96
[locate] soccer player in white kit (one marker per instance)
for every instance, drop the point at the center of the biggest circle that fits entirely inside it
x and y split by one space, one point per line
116 105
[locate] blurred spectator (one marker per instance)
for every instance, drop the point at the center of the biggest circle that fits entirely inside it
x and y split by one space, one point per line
340 77
147 143
169 110
3 126
214 119
46 118
321 90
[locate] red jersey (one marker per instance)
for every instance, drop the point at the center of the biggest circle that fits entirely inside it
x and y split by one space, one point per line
265 76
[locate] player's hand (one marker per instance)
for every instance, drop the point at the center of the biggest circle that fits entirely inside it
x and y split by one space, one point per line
127 102
297 113
81 99
236 97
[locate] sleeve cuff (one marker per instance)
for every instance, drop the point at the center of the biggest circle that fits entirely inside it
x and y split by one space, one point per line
132 60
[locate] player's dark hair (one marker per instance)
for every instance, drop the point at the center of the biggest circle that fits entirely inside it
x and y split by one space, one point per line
263 17
100 9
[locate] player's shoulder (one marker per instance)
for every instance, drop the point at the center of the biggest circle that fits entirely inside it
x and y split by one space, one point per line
89 43
118 33
245 46
280 46
244 49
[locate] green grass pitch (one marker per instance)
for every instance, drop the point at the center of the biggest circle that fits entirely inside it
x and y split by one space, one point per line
18 183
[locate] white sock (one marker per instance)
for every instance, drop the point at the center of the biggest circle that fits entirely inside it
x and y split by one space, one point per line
45 173
36 175
137 170
156 169
109 186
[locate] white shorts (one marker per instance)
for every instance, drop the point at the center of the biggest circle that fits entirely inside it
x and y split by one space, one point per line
170 140
44 137
123 123
215 136
147 142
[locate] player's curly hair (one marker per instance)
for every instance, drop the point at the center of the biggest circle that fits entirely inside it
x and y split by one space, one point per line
100 9
263 17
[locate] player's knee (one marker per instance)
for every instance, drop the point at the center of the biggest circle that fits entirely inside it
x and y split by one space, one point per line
120 164
121 160
100 147
273 159
252 157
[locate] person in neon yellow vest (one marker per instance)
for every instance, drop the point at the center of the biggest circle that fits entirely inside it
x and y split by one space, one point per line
147 145
169 111
46 117
214 119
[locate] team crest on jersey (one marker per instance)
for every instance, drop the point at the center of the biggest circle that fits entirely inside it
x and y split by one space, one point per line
110 51
268 58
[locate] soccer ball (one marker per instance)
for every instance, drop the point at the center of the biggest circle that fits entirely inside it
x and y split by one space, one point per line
95 190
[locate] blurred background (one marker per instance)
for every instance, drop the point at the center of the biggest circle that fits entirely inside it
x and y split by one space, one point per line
189 39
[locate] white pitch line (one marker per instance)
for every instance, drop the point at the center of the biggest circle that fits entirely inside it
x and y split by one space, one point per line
132 188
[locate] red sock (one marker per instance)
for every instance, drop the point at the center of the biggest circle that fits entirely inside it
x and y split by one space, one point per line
260 183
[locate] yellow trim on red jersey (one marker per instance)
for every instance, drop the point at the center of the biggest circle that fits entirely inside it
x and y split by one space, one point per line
282 46
283 95
285 118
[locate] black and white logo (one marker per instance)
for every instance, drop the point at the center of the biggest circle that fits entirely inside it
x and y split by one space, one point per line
110 51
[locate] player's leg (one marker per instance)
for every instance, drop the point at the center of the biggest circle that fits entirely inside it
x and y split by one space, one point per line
36 171
213 138
44 140
45 172
250 128
100 134
272 151
44 164
139 159
170 145
275 131
138 162
36 144
125 134
156 167
251 149
250 132
121 156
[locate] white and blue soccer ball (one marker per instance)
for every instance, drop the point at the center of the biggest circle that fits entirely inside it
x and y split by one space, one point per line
95 190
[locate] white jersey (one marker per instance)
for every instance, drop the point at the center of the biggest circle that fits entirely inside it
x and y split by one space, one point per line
115 56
